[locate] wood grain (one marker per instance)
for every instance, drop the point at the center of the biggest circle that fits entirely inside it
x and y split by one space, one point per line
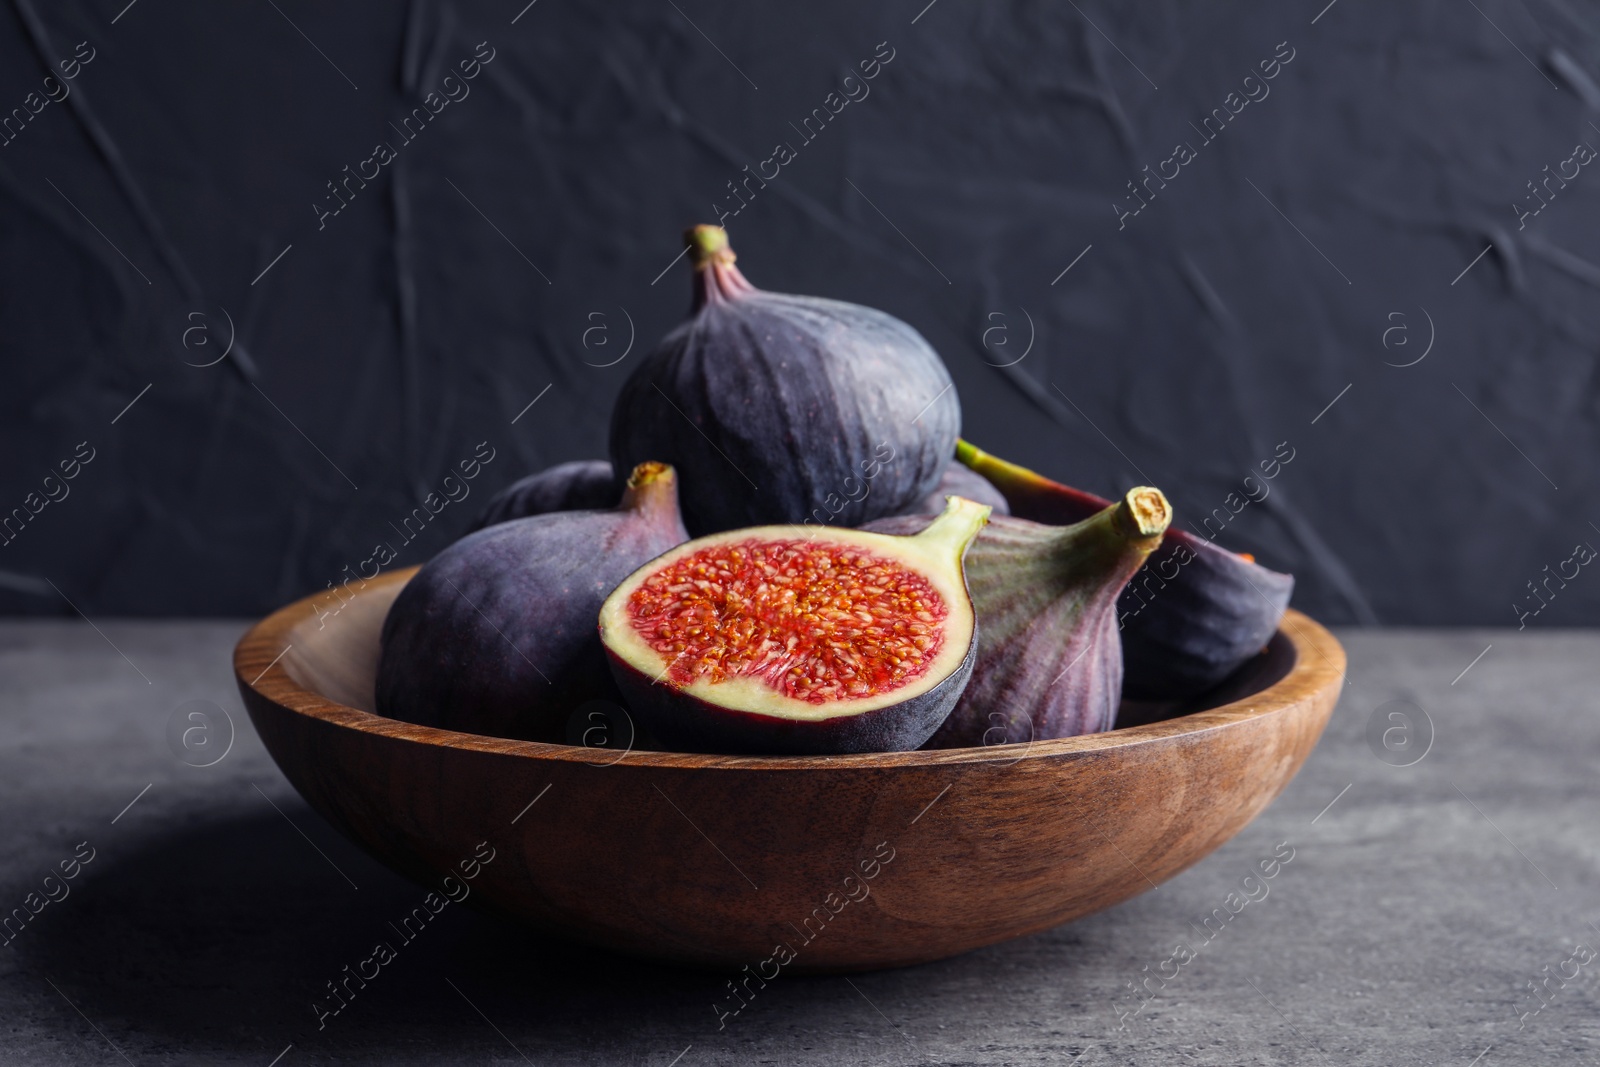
716 860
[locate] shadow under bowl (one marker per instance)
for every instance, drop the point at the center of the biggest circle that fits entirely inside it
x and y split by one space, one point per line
850 862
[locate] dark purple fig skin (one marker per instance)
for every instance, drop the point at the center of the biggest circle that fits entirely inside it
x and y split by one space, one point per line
496 634
582 485
682 723
958 480
786 409
1193 616
1190 618
1049 657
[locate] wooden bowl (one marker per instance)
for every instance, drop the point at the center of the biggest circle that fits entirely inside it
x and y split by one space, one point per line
849 862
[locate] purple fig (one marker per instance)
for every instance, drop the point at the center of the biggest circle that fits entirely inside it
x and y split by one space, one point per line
1190 618
582 485
960 480
784 409
1049 659
495 635
791 639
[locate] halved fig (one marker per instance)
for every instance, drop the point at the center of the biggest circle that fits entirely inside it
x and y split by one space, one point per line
793 640
1190 617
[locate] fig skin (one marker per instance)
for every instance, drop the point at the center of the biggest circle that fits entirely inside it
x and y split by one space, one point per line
1190 618
783 409
581 485
962 481
495 635
678 719
1049 657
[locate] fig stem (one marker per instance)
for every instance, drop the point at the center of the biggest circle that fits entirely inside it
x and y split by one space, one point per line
997 470
716 279
1143 512
651 486
1106 548
1030 494
956 527
708 244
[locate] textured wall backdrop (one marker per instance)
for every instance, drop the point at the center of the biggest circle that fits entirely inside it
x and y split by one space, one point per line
1363 235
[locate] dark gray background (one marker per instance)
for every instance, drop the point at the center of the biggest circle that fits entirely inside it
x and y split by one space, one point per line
458 286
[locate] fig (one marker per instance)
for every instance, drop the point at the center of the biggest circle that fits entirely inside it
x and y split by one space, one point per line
495 635
780 409
794 640
960 480
1049 658
582 485
1191 617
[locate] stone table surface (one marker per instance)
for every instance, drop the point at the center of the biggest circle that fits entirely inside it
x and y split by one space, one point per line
1420 903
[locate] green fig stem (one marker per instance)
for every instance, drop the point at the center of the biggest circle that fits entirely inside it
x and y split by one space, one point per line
651 487
716 279
955 528
1112 543
708 244
1030 494
1005 476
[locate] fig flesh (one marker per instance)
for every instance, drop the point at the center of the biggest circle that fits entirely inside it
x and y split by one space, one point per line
495 635
783 409
1191 617
794 640
582 485
1049 658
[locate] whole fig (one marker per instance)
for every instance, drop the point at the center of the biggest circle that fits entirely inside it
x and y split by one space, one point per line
1190 617
784 409
963 481
582 485
496 634
1049 659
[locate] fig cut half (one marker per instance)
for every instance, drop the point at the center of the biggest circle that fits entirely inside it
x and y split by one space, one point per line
797 639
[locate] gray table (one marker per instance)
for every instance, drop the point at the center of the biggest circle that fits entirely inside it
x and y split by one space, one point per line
1420 903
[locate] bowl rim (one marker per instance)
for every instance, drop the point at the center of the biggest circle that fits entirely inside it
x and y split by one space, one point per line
257 663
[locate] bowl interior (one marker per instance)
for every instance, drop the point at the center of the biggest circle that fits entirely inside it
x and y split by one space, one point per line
333 652
336 655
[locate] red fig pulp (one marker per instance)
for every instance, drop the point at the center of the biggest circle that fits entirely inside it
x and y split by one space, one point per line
495 635
1191 617
1049 659
785 639
786 409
